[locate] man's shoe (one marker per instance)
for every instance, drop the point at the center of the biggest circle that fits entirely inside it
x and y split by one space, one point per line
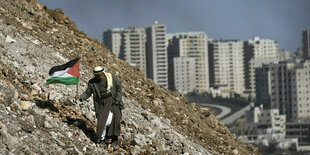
114 144
102 143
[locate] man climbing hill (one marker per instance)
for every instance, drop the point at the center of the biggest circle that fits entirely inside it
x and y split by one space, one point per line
107 95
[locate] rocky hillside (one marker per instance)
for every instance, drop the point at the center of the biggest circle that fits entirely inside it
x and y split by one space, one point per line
36 118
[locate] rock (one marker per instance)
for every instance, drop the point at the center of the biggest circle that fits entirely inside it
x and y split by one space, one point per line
53 95
8 109
157 123
9 39
152 135
9 140
34 92
16 94
16 106
140 139
126 136
157 102
5 72
69 134
47 125
37 42
90 115
38 111
25 105
28 123
235 151
2 151
27 25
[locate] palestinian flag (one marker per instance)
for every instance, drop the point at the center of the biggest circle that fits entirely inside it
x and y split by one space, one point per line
67 74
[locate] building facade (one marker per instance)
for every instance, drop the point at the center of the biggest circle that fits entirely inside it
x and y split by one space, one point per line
301 131
226 68
191 45
257 52
265 126
184 73
285 86
128 44
156 54
112 39
306 44
285 55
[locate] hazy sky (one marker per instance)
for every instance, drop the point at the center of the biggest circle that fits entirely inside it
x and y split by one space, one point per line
280 20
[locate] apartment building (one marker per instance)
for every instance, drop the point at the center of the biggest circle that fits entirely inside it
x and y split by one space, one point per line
128 44
285 55
112 39
173 50
190 45
285 86
301 131
184 71
226 60
256 52
258 120
156 54
264 126
306 44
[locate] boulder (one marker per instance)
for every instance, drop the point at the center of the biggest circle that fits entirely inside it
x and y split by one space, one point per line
25 105
28 124
9 140
9 39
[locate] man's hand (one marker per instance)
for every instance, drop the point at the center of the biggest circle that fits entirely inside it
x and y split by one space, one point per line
77 98
117 102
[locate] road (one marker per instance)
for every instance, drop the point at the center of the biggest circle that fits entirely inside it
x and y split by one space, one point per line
236 115
224 110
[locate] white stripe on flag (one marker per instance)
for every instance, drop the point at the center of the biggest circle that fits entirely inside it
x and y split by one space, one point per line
62 73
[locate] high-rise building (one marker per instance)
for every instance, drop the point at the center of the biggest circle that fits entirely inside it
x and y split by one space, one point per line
128 44
184 72
306 44
257 52
173 52
284 55
191 45
259 119
266 126
298 53
112 39
285 86
156 49
226 65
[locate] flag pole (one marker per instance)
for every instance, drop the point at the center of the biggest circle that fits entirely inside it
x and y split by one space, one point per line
77 85
77 92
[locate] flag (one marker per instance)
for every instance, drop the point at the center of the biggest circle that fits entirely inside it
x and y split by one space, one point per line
67 74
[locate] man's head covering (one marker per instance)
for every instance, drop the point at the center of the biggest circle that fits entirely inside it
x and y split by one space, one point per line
98 70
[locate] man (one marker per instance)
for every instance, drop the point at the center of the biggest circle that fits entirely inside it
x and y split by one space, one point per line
107 95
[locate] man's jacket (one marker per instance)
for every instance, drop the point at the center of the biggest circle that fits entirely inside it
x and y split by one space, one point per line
93 88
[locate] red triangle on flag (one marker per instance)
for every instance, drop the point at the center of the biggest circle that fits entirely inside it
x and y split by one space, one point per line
75 69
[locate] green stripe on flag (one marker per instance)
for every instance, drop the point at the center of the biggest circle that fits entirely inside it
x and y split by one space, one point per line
64 80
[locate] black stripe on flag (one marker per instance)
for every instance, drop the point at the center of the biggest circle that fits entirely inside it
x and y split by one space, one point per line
63 67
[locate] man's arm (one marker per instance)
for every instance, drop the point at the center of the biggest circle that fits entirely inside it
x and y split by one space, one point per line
87 93
118 88
119 93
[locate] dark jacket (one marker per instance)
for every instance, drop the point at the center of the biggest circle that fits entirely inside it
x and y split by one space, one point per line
93 88
104 105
